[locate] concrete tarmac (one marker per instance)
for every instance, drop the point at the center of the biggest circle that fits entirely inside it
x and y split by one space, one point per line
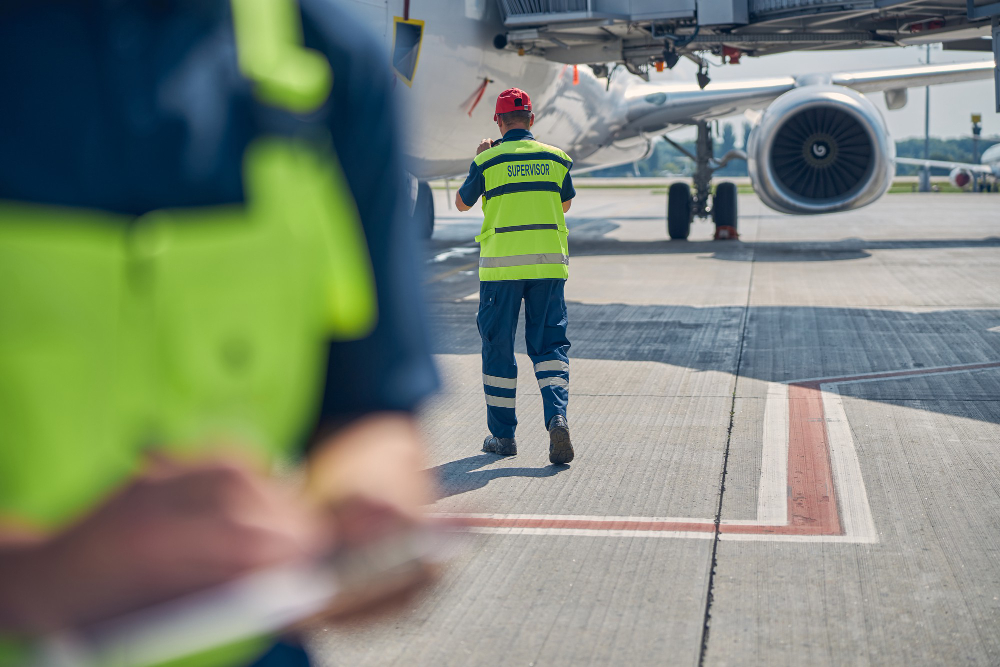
788 448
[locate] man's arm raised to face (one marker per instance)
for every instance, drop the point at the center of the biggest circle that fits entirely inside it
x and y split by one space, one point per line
473 185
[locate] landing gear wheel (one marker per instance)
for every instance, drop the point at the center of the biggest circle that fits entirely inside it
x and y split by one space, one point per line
679 211
423 212
724 211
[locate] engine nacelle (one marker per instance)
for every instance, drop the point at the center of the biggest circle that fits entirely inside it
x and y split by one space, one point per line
820 149
960 178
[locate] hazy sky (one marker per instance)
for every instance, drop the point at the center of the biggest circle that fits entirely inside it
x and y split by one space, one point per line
951 105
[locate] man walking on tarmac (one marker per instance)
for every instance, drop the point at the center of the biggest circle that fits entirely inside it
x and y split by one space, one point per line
526 189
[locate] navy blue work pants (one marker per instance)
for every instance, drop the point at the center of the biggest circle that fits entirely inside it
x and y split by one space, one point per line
544 336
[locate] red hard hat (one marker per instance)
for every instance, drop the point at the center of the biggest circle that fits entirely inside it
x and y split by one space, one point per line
512 99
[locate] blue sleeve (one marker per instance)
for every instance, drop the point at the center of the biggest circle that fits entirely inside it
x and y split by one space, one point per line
474 186
568 191
392 368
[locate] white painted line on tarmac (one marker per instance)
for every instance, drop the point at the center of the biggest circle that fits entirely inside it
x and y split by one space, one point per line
878 376
772 495
765 537
574 517
856 523
852 496
461 251
585 532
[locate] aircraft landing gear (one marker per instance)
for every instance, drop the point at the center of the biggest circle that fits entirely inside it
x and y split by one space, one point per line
724 211
679 211
703 169
682 206
423 210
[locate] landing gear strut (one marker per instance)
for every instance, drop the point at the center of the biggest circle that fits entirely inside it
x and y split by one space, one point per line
703 169
682 206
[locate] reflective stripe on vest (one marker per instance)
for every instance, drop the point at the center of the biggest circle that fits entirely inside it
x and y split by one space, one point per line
524 231
523 260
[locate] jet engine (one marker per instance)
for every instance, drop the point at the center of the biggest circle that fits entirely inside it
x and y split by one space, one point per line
960 178
820 149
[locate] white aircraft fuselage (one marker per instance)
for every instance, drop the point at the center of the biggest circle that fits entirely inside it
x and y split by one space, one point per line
457 54
991 158
602 124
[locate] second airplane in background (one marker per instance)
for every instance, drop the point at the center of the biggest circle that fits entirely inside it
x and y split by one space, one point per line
965 174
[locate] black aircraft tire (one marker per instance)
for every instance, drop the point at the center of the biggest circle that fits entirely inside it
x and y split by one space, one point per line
724 211
679 212
423 212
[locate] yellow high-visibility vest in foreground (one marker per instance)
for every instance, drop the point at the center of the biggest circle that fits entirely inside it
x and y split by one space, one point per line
181 328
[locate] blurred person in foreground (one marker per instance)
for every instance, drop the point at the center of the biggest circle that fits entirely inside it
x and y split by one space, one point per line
207 273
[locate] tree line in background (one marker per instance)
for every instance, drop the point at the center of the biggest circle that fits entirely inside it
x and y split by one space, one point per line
665 160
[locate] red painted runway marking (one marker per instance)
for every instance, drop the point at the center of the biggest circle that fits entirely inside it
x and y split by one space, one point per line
812 501
813 508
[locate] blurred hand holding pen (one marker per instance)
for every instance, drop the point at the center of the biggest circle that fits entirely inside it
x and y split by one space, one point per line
190 275
193 554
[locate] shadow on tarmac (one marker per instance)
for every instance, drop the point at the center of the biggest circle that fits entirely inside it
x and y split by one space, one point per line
780 344
463 475
588 239
767 252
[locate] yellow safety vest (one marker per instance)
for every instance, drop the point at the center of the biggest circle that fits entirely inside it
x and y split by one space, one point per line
524 233
182 327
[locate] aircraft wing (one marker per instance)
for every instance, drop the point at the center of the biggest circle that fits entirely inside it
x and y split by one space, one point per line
913 77
943 164
655 108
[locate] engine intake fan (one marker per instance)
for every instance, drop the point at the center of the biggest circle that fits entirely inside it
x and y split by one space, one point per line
820 149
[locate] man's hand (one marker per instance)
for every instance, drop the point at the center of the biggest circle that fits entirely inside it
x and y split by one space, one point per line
174 529
182 527
371 480
379 457
485 144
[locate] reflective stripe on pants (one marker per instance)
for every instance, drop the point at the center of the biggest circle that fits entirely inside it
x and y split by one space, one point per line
545 339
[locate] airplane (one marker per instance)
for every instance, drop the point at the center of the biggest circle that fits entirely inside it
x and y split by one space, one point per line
964 174
819 145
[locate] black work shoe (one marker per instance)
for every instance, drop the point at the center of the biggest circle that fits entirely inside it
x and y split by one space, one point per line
560 448
501 446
